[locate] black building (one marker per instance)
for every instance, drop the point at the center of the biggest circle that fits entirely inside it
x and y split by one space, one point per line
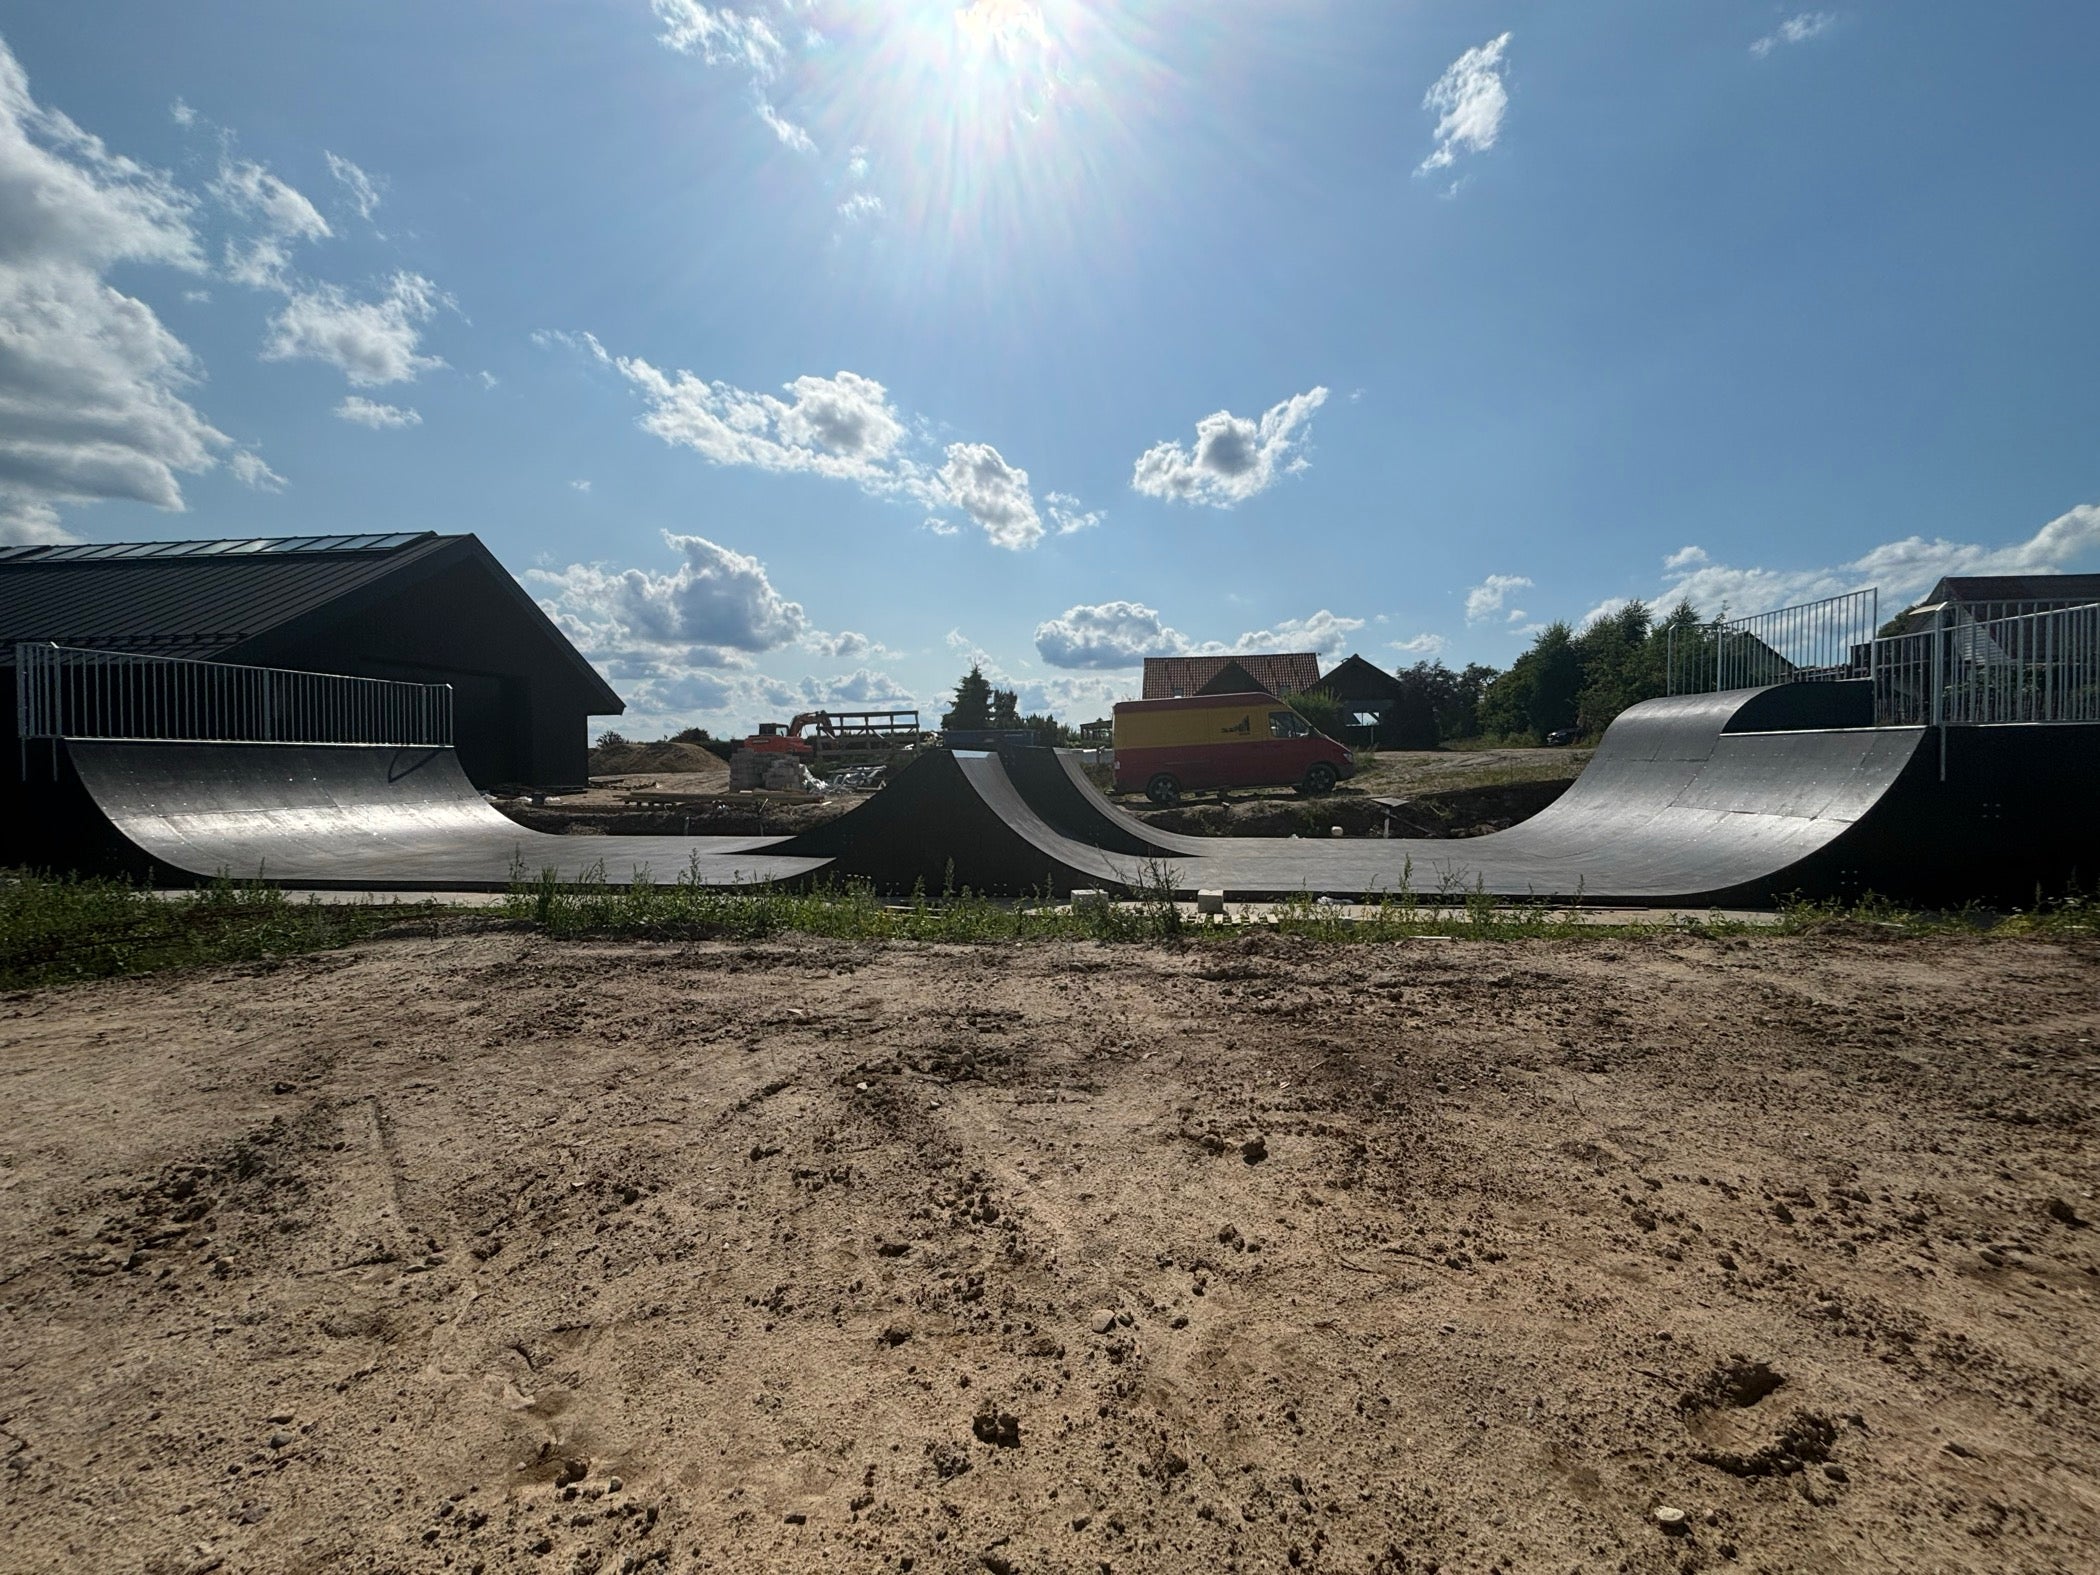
1398 714
416 606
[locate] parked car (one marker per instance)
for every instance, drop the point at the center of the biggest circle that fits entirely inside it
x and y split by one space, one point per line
1560 737
1169 747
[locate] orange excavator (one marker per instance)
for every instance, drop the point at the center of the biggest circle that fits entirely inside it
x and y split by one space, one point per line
837 731
772 739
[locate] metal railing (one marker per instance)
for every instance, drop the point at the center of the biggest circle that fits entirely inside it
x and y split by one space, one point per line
2037 667
1828 639
63 692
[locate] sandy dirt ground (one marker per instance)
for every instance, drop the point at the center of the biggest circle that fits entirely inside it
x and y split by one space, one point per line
475 1251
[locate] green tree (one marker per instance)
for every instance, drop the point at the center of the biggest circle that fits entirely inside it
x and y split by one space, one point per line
1006 709
1049 732
1538 694
1453 698
1620 666
1320 709
973 703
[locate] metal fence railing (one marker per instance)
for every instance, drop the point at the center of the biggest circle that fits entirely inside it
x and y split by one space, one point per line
1828 639
2037 667
62 692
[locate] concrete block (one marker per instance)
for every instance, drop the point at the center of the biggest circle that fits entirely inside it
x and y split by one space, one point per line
1089 899
1210 902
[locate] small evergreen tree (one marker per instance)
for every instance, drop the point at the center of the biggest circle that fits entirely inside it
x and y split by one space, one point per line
973 703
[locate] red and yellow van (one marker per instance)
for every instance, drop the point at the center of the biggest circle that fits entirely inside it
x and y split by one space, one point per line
1168 747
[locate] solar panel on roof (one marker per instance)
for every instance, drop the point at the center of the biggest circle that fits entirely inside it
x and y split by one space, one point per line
245 546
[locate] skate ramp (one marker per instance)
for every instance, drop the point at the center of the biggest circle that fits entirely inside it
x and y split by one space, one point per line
367 816
1736 797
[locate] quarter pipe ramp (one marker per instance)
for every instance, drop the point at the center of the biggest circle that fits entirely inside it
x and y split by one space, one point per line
367 816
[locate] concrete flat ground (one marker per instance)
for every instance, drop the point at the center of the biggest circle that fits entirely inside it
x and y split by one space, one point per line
488 1252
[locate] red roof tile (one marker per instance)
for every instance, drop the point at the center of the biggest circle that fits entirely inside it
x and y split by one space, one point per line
1286 673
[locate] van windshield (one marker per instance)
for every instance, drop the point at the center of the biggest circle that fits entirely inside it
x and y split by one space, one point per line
1287 724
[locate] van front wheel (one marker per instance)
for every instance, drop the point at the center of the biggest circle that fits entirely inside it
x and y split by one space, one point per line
1319 778
1163 789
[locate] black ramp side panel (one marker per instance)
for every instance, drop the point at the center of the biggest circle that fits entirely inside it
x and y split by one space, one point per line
367 816
1056 787
950 822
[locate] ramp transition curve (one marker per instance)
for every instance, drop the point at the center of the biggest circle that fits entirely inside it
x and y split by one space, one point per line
366 816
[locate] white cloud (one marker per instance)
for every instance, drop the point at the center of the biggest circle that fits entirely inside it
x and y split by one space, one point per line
857 164
720 36
182 114
941 527
1685 558
361 189
281 218
251 470
1610 607
863 689
683 644
1487 598
843 427
1470 101
861 205
1903 569
1121 634
993 493
1422 646
1325 632
580 485
371 342
370 413
790 134
1068 515
92 384
716 608
1234 457
1107 635
1795 30
847 645
745 40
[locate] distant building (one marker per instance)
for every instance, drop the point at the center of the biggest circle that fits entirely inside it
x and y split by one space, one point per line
1987 596
1178 677
1394 714
412 605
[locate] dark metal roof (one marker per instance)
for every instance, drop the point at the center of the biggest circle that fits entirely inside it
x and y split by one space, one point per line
209 599
2059 589
188 601
95 551
1356 677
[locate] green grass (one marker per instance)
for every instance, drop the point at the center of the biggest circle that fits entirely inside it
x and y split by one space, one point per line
687 909
63 931
58 931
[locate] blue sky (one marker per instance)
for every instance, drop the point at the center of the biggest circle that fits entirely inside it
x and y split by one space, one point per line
801 351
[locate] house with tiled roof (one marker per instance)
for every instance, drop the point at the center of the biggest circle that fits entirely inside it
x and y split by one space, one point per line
1281 674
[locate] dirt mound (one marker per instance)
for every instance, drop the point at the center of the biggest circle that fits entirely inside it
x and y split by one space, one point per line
810 1255
668 756
1460 812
